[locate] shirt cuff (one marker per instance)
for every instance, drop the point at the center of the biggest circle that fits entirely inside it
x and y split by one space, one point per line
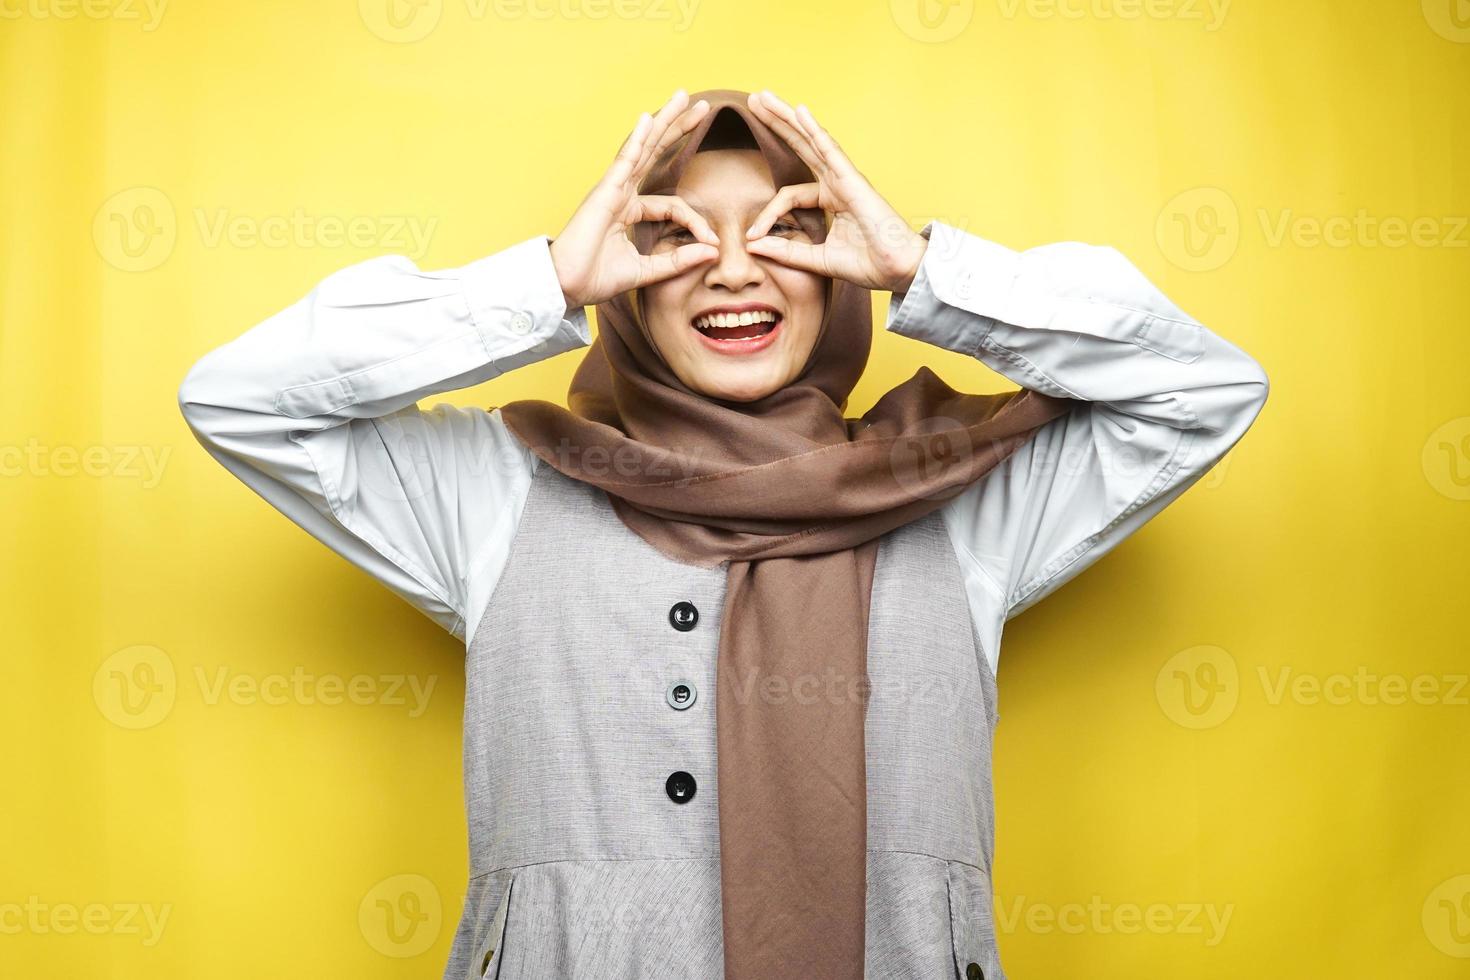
961 289
517 304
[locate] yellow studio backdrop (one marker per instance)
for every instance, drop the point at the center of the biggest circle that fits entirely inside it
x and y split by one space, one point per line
1235 747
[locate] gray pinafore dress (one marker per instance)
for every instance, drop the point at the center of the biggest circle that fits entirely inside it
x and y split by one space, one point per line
589 761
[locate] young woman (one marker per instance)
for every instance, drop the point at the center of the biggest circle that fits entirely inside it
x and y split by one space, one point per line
730 675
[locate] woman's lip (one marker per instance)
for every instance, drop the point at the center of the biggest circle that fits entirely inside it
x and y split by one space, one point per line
752 346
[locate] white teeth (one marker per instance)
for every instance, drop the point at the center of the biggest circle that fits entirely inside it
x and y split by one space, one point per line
721 321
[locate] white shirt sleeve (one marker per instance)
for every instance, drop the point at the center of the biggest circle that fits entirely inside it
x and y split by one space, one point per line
1161 400
315 409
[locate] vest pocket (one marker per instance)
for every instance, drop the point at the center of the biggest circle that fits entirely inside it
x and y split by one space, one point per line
972 924
489 951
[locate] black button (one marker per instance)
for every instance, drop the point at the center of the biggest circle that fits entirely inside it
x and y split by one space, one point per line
680 787
973 972
683 616
680 695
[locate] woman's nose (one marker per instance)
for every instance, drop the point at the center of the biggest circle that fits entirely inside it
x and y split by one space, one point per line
735 267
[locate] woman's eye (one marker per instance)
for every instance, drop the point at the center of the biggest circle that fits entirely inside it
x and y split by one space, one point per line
785 227
677 232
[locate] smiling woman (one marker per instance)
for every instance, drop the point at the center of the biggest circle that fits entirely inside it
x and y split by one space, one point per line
720 740
741 326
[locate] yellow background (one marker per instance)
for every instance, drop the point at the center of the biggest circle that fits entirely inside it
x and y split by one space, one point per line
1329 547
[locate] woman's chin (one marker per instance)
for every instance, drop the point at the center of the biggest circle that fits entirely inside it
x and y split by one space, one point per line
743 386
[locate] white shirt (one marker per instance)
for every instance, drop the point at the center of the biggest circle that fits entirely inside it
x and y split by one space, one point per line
316 409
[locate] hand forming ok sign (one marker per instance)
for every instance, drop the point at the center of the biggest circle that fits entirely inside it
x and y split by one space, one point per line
593 256
869 243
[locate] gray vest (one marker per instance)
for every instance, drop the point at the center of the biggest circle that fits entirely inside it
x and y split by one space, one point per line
582 699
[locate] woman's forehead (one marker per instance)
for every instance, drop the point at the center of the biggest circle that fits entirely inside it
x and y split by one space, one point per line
716 181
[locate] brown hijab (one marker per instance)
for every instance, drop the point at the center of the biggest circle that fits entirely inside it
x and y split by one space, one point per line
794 497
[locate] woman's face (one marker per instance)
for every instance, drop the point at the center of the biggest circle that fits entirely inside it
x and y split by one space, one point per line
740 326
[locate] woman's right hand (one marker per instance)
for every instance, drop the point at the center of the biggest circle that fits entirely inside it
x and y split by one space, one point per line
594 258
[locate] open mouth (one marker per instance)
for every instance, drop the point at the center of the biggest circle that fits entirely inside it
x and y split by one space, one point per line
737 329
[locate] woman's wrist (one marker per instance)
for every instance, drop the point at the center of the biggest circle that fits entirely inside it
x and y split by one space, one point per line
572 301
908 269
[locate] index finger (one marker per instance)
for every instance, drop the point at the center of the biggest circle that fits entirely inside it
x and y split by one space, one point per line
666 134
775 114
823 141
635 149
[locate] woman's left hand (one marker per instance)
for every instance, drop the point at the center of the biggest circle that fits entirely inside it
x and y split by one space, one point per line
868 243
